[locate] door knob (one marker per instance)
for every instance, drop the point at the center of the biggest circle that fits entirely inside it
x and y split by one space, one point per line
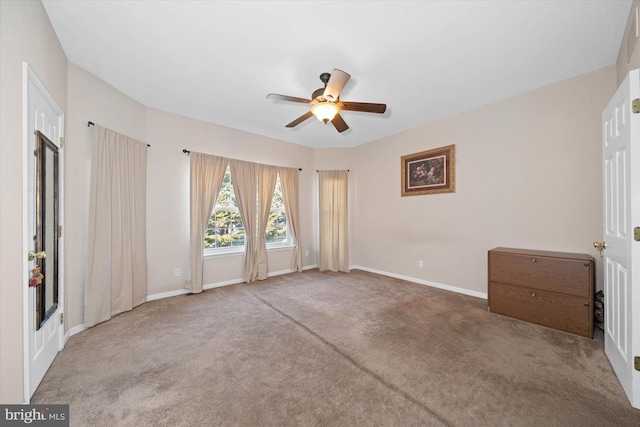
33 255
600 245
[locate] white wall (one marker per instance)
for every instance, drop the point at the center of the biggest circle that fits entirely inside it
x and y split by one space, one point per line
528 175
629 54
513 188
90 99
341 159
168 195
25 35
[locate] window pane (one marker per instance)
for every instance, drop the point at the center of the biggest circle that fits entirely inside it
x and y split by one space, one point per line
276 227
226 197
277 202
277 224
225 228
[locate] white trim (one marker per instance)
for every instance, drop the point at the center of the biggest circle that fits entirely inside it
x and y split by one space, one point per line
167 294
170 294
75 330
280 273
222 252
211 253
423 282
29 75
238 281
221 284
280 246
25 241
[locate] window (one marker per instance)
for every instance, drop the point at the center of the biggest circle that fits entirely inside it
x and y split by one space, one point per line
225 231
225 228
276 231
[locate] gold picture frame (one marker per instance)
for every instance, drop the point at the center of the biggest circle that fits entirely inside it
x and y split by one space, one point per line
429 172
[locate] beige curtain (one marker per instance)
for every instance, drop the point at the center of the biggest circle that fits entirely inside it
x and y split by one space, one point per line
117 271
334 237
244 178
289 181
206 175
267 176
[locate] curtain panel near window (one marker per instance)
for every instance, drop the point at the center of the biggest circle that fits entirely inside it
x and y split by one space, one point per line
334 220
245 181
117 270
206 175
267 176
290 184
253 185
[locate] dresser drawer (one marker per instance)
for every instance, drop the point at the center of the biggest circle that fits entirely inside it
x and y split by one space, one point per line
565 276
565 312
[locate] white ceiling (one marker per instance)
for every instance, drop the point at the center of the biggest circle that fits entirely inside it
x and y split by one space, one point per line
217 60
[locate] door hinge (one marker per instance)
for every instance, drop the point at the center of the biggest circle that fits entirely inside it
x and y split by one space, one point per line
636 363
62 139
636 234
61 318
59 231
635 106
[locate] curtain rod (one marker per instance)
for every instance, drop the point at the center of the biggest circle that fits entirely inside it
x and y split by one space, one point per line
90 123
187 152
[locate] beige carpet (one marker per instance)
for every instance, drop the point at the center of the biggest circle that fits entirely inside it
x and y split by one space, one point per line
325 349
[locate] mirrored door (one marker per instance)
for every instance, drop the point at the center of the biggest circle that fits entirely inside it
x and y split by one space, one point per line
47 228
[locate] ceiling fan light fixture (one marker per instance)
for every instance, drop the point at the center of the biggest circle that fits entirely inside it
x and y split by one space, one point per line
326 104
325 111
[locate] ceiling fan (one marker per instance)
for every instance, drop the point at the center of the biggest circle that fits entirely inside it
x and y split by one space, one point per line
326 104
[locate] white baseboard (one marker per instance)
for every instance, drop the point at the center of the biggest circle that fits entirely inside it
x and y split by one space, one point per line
75 330
240 280
221 284
423 282
167 294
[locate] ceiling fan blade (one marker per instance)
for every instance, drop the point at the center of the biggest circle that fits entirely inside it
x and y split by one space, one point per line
299 120
335 84
365 107
339 123
287 98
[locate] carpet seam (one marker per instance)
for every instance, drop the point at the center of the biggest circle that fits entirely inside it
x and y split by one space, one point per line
355 363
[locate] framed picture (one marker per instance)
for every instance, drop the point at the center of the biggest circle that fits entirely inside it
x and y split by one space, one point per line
429 172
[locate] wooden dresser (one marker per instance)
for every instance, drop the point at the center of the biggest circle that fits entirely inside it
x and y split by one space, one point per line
553 289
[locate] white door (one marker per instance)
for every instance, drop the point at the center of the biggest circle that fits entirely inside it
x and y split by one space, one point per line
44 333
621 256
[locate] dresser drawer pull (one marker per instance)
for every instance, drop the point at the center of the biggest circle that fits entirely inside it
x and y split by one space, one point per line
533 294
533 260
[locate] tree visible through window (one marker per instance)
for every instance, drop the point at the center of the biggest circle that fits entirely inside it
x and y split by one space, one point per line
276 231
225 228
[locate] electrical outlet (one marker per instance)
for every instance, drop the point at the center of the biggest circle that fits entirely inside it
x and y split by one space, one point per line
177 272
420 263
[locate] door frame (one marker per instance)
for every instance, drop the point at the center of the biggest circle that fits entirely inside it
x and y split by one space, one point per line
29 75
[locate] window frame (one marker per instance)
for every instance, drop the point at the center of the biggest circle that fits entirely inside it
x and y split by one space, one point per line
234 250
